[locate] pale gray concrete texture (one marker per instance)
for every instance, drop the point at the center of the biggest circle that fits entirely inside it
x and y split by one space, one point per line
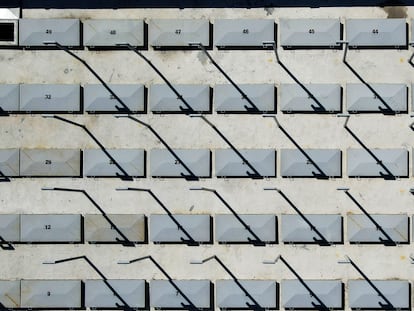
246 196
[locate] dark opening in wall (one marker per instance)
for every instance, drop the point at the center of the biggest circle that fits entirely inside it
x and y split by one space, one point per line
6 31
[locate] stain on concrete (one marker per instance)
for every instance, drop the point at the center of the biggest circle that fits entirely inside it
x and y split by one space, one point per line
396 11
269 11
202 57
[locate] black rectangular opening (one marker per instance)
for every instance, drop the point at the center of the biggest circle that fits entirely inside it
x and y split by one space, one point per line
6 31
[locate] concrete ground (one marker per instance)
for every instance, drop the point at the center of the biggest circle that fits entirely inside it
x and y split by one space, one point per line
246 196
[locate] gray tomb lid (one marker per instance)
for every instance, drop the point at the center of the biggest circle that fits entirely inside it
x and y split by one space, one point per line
98 229
9 162
229 229
98 99
164 230
50 162
163 100
99 295
230 295
295 164
51 294
294 99
243 32
110 32
178 32
361 99
164 295
98 164
10 227
361 229
9 97
362 295
361 164
380 32
33 32
49 97
296 230
230 164
50 228
227 99
164 164
296 296
10 294
310 32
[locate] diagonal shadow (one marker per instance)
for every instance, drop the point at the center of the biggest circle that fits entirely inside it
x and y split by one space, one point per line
125 305
389 175
3 113
190 240
387 110
124 175
4 178
125 241
388 305
253 107
388 241
322 306
322 241
124 107
321 174
411 60
6 245
191 176
188 109
256 174
318 107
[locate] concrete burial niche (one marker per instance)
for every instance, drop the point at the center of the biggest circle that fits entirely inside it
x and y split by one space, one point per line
310 33
108 33
178 33
243 33
33 32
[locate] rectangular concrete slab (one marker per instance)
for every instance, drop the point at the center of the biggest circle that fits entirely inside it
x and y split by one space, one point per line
99 230
296 296
164 295
9 97
227 99
50 98
359 98
293 98
51 293
239 33
376 32
310 33
361 164
169 33
162 98
164 230
10 294
97 164
110 32
99 295
33 32
296 230
97 98
295 164
10 227
62 228
164 164
362 230
228 229
230 164
230 295
363 295
50 162
9 162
